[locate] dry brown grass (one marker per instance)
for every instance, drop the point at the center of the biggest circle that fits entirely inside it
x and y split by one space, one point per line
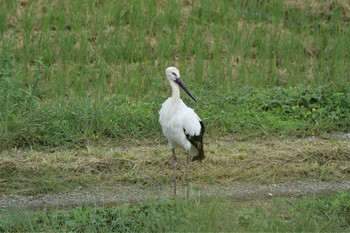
228 161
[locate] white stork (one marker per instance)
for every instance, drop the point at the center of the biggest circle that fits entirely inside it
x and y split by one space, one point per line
180 124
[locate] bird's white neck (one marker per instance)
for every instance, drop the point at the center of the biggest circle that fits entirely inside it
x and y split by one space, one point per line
175 90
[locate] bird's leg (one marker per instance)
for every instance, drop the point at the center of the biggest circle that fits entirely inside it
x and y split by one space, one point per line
174 163
189 161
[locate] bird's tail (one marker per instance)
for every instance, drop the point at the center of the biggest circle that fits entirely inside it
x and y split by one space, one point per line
197 141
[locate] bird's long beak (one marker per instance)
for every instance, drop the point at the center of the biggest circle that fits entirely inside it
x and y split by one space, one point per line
183 86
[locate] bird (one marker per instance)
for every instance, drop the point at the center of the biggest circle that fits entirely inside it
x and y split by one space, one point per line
182 127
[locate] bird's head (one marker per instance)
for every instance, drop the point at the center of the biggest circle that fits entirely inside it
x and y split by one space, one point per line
172 73
173 76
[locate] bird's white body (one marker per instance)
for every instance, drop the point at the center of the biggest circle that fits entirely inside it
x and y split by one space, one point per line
177 120
180 124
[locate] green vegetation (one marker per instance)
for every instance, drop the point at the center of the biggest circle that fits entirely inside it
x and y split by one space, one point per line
75 72
81 83
310 214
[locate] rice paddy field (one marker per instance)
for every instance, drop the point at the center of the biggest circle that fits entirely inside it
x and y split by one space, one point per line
81 84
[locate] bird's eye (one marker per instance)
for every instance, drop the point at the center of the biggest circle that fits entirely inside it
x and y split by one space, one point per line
174 74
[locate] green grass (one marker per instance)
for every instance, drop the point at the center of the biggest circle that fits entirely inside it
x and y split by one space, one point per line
250 112
73 72
80 73
308 214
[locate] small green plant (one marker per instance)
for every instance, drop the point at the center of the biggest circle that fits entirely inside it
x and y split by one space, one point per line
313 105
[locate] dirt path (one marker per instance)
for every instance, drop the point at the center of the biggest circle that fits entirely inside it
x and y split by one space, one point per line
131 194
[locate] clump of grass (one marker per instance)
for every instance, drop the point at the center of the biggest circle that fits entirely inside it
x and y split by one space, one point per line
195 215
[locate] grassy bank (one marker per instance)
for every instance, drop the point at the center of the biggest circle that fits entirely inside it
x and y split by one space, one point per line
75 72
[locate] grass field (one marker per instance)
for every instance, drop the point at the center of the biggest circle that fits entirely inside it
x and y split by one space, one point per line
73 72
81 84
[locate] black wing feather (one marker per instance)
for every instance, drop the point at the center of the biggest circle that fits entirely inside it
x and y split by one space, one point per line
197 141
